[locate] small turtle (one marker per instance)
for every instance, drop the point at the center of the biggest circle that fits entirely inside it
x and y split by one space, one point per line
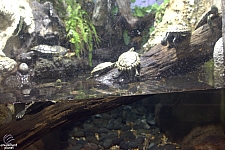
44 51
101 68
33 107
175 34
207 17
129 62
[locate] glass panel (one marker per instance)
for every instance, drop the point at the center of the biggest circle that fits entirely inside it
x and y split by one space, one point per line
166 55
72 49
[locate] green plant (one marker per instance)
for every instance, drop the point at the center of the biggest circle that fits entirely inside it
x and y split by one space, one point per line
80 30
126 37
142 11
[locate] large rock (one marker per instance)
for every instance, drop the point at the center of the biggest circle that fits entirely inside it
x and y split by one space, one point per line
7 65
12 12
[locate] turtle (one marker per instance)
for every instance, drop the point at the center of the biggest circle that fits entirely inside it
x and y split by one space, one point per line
101 68
207 17
129 62
44 51
33 107
175 34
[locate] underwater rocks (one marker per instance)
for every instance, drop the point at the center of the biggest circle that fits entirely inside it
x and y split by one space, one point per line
123 128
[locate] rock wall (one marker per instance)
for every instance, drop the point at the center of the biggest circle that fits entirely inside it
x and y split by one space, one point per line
11 13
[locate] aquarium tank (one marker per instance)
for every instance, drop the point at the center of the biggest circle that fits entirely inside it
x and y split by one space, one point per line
112 74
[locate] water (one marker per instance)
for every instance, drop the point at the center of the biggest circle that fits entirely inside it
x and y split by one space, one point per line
80 88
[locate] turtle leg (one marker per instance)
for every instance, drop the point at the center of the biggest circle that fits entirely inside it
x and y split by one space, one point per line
170 39
136 73
164 41
117 74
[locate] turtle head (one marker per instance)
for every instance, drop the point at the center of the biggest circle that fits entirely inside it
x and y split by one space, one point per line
132 49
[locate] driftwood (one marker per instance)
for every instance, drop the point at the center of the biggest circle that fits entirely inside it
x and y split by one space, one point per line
32 127
161 60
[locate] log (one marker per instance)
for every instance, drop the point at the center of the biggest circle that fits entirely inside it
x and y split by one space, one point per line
33 127
163 61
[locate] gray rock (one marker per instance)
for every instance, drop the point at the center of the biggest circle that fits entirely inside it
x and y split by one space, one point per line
133 144
103 130
140 140
82 142
77 147
109 126
117 141
98 116
124 146
127 107
128 136
91 146
117 126
112 135
125 128
7 65
92 139
78 134
151 122
107 143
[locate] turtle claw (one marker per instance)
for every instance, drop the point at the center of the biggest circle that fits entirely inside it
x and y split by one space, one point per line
20 114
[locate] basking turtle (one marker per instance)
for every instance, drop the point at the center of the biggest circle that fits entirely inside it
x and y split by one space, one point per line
101 68
207 17
129 62
44 51
175 34
33 107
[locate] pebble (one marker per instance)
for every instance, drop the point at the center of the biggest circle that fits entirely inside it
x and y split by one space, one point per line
81 142
107 143
124 146
78 134
109 126
140 139
133 144
151 122
126 127
103 130
128 135
98 116
23 68
92 139
127 107
91 146
77 147
117 141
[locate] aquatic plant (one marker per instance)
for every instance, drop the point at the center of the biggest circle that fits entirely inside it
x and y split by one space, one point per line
80 30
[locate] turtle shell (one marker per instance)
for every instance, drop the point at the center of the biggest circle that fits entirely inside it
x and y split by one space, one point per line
178 28
50 50
34 107
128 60
102 67
207 15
